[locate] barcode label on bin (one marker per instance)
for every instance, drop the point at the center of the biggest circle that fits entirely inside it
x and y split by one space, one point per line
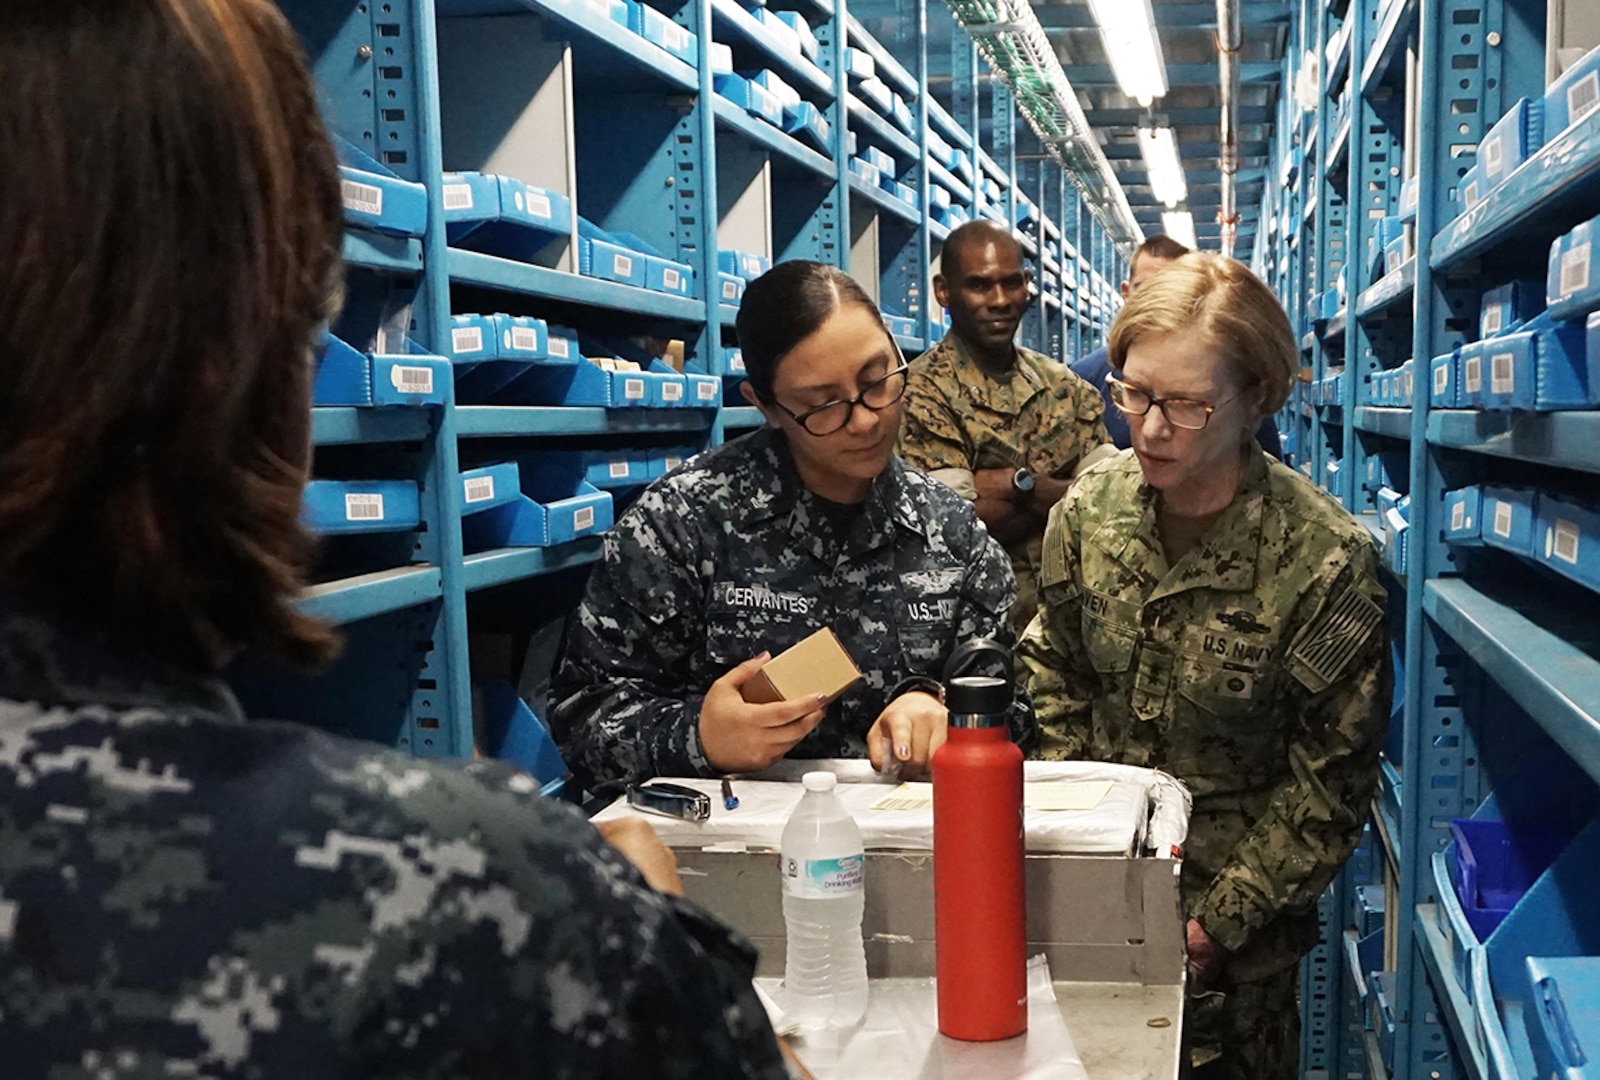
736 362
1492 156
525 337
466 339
1441 378
622 266
479 489
363 507
672 391
730 290
1493 319
362 198
1458 517
1394 259
671 278
1566 545
618 470
1502 519
1582 97
583 519
707 391
560 346
539 205
672 463
1502 373
633 389
458 196
412 380
1472 374
1575 270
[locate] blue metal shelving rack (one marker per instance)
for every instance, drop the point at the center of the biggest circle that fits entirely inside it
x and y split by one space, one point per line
654 151
1498 664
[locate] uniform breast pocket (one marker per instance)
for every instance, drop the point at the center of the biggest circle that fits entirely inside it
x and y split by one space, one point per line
1109 645
741 621
1236 692
927 629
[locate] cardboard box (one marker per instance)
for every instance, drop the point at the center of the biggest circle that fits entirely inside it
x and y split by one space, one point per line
817 665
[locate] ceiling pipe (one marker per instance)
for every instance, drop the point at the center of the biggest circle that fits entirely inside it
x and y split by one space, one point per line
1229 40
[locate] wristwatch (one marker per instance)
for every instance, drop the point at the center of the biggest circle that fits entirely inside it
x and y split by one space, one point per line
1022 481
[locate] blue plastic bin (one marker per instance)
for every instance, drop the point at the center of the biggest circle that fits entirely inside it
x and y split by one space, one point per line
1496 862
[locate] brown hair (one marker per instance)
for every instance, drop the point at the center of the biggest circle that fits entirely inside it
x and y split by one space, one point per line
1221 300
786 305
171 221
1160 246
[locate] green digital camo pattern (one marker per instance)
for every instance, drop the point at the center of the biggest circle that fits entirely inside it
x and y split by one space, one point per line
1256 671
1043 418
184 893
731 555
1246 1031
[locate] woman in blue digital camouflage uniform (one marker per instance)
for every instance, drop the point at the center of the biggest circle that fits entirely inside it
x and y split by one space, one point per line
1207 611
747 549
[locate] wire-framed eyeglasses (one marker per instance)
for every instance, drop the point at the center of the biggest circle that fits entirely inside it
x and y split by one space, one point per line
1183 413
876 396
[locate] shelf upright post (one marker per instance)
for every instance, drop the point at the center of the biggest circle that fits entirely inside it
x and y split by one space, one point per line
448 667
924 268
1372 186
833 38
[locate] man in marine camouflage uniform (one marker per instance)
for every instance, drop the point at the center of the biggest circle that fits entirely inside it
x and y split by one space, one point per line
1004 426
1254 668
731 555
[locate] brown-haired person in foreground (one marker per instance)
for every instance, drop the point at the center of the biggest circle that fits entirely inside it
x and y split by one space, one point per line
183 892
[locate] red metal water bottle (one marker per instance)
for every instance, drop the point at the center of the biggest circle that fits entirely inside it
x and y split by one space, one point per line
980 933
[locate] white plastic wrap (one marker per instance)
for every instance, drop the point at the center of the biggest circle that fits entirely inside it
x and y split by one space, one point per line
899 1038
1146 812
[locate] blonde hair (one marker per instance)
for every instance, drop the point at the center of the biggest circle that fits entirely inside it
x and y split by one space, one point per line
1229 307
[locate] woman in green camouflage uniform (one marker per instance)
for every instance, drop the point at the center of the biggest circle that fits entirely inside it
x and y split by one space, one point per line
1205 610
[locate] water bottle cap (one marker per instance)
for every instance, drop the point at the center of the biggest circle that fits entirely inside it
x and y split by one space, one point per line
819 781
978 695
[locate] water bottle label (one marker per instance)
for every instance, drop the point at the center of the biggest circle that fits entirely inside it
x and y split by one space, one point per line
812 879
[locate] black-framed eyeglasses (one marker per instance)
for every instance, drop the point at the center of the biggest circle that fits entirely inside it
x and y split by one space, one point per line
1180 412
876 396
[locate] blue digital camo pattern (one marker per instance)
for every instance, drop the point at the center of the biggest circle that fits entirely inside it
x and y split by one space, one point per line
184 893
730 555
1256 671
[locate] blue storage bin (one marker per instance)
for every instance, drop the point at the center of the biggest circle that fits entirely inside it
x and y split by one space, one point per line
779 31
900 113
1508 367
1442 386
768 80
582 383
343 507
1471 385
1459 936
501 215
1394 254
1516 137
375 198
1566 374
803 33
1564 1020
512 732
704 390
743 264
806 122
1369 909
1473 188
1463 515
618 11
1382 1011
553 508
1571 287
858 63
412 379
1508 519
1556 918
476 338
721 58
601 255
490 486
866 171
730 288
1573 96
876 92
1508 306
1567 539
663 462
752 98
879 160
733 362
561 344
658 29
1496 863
344 376
601 469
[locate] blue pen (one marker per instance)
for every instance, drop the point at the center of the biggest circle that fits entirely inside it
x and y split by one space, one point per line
730 801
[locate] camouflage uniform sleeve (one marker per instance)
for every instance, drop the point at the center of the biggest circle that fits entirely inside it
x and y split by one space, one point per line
1051 651
623 710
1341 683
1091 415
931 437
987 594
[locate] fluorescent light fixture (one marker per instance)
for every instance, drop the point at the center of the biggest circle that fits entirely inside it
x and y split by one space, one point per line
1179 224
1160 152
1129 31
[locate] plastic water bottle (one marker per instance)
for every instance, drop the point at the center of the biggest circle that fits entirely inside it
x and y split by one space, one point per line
825 974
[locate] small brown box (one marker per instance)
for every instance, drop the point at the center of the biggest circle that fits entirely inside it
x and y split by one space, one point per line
817 665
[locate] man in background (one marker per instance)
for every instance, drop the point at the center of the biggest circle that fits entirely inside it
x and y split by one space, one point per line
1149 259
1006 427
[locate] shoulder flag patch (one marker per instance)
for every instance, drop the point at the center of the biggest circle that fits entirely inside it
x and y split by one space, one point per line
1334 638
